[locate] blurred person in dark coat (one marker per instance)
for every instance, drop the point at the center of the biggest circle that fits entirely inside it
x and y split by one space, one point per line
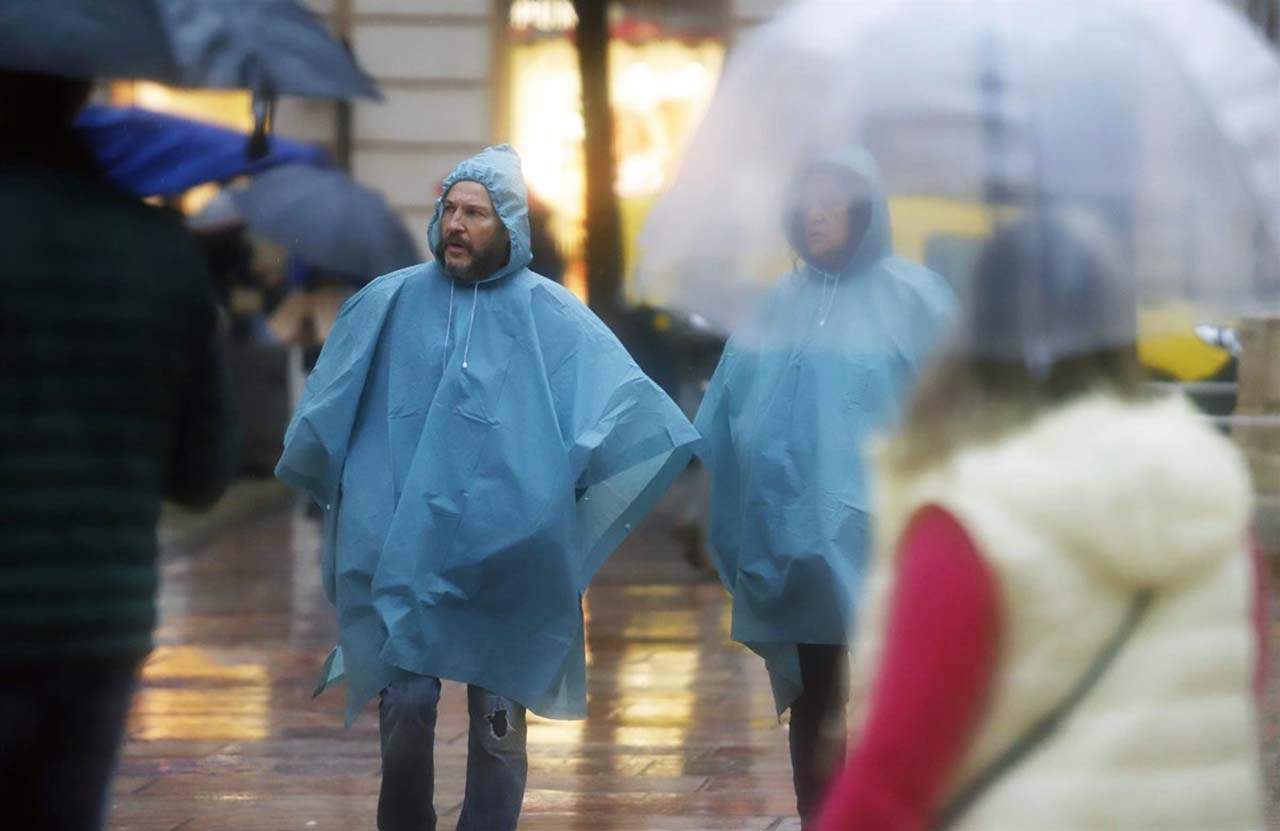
547 259
113 396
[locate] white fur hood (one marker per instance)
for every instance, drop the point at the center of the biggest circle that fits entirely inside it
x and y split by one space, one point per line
1147 491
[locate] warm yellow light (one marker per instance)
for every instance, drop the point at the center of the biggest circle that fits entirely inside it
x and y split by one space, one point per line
640 174
544 15
153 96
191 693
638 84
230 108
195 199
692 82
549 733
548 131
659 90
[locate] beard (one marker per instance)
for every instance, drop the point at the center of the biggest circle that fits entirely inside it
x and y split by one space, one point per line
484 262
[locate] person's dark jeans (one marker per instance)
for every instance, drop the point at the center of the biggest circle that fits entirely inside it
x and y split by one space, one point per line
818 729
497 759
61 725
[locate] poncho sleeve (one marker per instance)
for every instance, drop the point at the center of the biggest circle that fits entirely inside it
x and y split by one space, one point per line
631 454
626 440
717 453
931 309
315 444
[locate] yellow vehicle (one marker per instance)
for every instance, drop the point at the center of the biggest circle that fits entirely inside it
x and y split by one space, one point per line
943 233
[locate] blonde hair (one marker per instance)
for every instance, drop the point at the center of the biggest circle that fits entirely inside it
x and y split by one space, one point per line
978 400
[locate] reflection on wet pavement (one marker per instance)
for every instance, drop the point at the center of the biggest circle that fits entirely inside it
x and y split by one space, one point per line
189 692
224 734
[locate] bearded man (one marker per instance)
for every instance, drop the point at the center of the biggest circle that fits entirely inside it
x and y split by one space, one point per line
481 442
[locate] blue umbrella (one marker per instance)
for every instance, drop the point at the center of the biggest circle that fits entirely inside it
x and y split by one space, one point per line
327 219
155 154
272 47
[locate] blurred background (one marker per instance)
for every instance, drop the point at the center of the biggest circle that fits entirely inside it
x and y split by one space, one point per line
455 77
599 98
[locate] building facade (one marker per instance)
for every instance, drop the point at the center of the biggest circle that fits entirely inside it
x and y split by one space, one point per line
457 75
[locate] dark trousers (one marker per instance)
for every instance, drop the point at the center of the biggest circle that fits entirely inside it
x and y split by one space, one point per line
497 759
818 729
61 725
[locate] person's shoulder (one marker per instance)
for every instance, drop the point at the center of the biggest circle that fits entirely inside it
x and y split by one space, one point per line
912 281
158 229
531 281
912 276
775 300
545 294
101 202
388 284
76 226
158 233
783 285
95 198
166 233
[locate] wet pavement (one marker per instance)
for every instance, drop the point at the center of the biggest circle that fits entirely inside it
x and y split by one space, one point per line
224 734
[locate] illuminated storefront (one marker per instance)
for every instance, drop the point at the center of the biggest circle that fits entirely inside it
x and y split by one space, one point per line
230 108
664 59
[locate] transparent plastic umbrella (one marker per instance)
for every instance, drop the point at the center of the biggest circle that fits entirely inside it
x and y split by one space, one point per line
1156 125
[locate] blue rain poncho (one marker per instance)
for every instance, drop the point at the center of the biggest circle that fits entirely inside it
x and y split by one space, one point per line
823 364
480 450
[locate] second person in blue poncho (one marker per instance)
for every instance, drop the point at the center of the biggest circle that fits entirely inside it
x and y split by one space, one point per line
824 364
481 443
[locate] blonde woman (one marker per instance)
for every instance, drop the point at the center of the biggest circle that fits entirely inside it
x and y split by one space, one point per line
1066 626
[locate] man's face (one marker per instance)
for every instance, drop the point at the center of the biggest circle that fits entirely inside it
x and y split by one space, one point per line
826 209
473 240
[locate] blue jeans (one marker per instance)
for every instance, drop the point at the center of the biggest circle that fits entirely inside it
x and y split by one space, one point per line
497 759
61 725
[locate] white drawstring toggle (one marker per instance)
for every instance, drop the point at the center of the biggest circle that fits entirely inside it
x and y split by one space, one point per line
466 352
825 301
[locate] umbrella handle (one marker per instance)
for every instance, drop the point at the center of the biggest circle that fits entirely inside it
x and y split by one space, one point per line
264 109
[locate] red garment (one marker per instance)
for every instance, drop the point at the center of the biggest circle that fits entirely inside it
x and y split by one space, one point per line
936 672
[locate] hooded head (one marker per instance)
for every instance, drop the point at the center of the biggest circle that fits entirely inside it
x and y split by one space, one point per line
835 217
497 170
1050 318
1049 288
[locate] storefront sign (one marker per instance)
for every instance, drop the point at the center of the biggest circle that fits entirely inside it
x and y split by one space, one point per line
544 15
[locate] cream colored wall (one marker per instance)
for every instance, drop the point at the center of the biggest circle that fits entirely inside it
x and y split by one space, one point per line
435 63
434 60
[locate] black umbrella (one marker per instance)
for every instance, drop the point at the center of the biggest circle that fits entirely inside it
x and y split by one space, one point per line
328 219
272 47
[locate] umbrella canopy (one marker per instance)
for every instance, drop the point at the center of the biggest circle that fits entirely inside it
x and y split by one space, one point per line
273 47
1157 121
155 154
327 219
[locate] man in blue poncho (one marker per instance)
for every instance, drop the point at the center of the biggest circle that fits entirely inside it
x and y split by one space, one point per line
823 364
481 443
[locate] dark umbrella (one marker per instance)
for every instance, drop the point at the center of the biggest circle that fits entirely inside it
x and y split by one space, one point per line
328 219
272 47
156 154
